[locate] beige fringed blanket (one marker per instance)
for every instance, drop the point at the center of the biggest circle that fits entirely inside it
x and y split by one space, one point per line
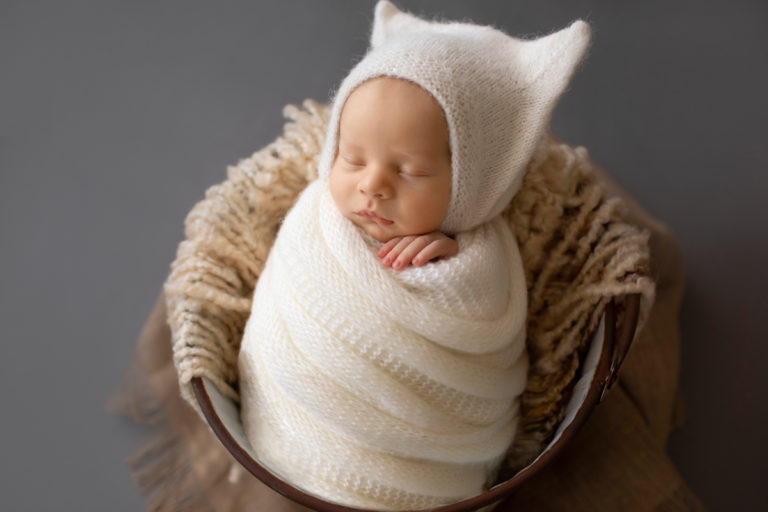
579 247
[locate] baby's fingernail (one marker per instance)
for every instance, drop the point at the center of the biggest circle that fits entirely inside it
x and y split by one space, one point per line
397 264
416 261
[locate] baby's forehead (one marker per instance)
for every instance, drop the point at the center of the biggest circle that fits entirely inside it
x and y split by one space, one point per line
393 89
393 110
384 94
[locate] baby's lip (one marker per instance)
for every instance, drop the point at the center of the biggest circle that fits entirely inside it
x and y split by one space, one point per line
370 214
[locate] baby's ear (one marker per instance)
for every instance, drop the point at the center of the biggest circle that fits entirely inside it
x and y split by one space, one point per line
388 20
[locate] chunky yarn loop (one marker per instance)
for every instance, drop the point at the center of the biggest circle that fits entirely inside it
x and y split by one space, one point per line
399 389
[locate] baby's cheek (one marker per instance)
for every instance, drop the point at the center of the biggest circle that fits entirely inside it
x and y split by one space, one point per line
339 191
428 214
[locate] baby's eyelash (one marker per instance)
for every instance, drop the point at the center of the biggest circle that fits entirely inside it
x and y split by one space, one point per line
414 174
353 162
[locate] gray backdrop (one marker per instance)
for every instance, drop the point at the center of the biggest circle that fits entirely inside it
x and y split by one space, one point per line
116 116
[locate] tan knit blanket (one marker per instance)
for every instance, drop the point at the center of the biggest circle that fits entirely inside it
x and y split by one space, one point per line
577 253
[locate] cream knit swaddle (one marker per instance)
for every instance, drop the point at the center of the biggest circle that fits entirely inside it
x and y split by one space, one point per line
379 388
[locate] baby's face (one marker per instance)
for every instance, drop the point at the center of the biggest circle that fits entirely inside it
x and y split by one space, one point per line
392 171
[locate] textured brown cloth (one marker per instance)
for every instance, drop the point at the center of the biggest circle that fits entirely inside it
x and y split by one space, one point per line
616 462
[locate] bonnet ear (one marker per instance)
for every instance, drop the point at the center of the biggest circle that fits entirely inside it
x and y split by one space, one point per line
547 64
389 20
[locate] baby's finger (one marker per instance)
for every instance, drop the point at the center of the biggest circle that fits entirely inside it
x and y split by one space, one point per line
397 249
388 246
414 248
437 249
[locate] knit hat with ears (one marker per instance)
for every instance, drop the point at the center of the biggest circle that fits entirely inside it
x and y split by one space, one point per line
497 92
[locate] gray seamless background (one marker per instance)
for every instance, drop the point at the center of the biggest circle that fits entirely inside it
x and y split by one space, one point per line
116 116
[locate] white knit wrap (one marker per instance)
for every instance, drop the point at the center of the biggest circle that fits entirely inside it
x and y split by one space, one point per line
378 388
497 92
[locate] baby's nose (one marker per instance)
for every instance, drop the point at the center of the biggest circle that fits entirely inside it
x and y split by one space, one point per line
376 183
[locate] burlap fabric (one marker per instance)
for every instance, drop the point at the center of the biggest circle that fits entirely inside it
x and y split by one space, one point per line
617 462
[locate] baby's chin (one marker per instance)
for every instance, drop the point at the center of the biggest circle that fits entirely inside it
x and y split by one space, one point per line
382 234
378 233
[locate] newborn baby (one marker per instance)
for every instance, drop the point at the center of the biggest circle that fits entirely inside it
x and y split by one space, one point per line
384 357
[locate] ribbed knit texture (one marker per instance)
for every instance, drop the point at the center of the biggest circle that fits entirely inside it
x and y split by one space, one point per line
366 385
497 92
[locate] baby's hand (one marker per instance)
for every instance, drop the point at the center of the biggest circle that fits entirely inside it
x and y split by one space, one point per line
402 251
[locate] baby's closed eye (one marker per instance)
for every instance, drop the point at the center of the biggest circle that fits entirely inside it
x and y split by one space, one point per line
414 173
355 162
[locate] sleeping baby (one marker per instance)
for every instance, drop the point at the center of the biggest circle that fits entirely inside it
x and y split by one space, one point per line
384 357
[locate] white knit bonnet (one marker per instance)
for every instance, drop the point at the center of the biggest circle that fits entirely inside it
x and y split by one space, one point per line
497 93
